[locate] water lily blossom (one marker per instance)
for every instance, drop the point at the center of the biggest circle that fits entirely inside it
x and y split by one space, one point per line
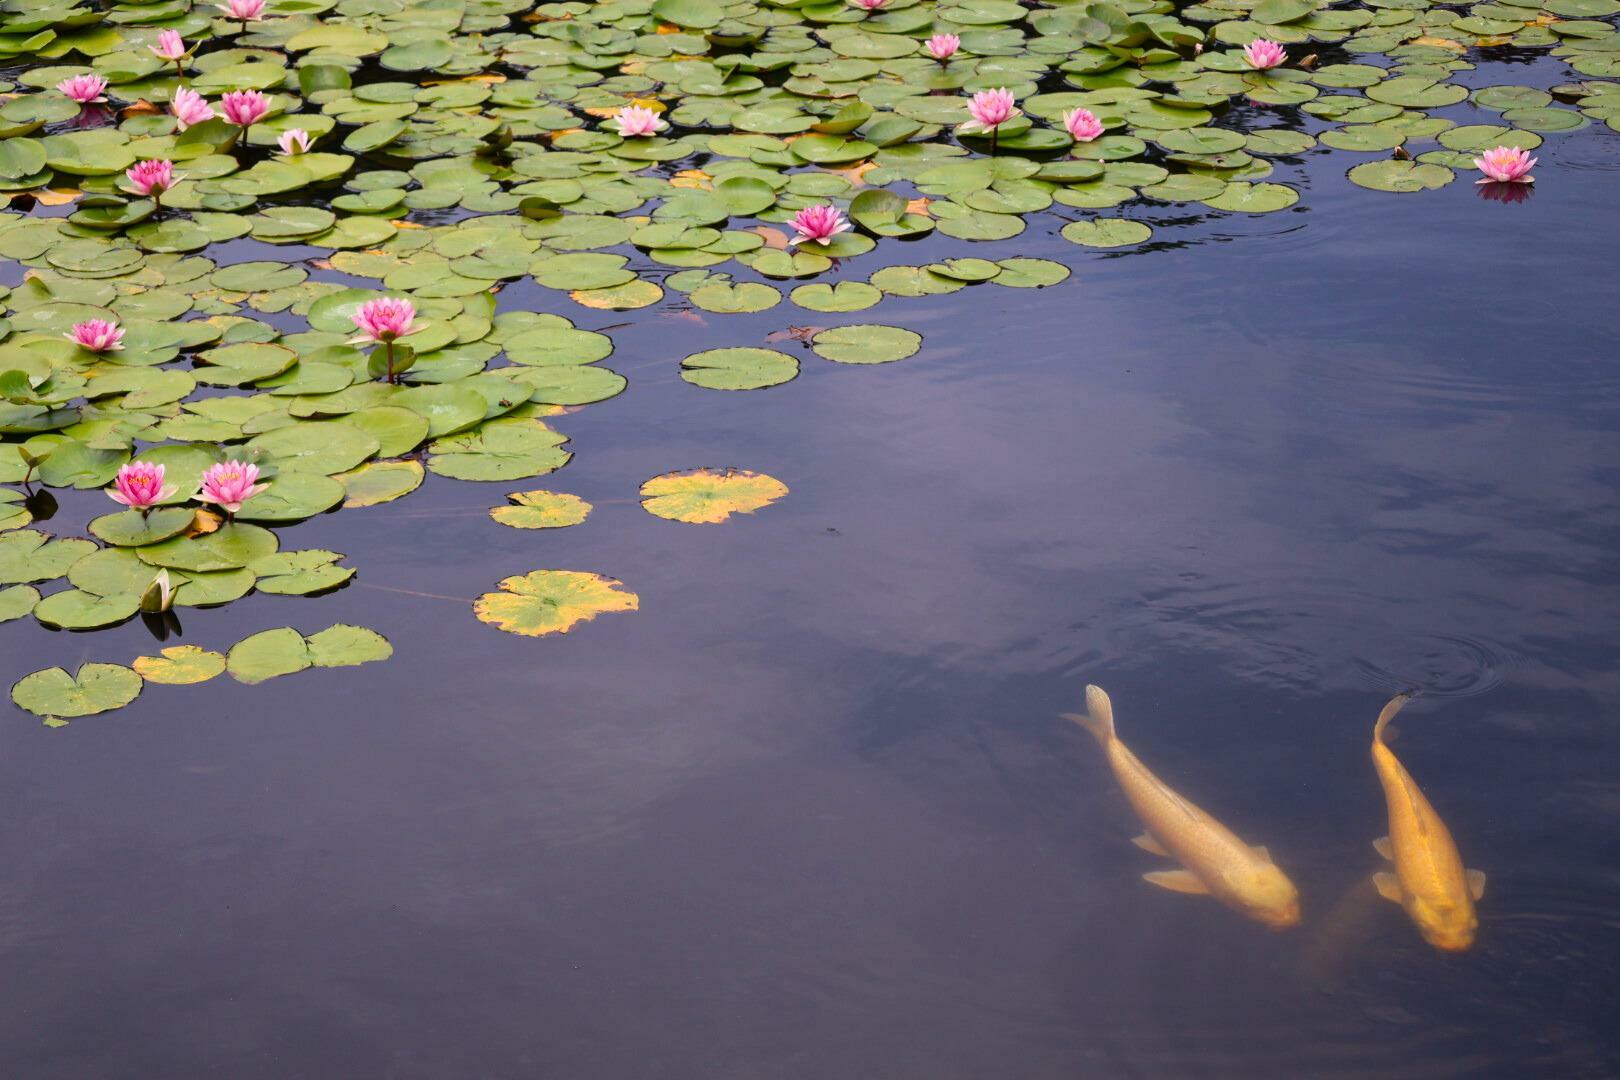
96 335
294 141
1506 165
170 46
634 121
943 46
818 224
991 109
1082 125
139 486
1263 54
384 320
869 5
151 177
244 107
189 108
245 10
84 88
230 484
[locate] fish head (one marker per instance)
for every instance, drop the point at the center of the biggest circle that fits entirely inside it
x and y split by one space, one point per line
1448 927
1271 898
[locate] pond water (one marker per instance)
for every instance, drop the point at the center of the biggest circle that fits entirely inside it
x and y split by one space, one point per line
810 811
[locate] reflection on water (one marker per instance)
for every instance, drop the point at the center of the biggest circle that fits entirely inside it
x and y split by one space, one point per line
807 814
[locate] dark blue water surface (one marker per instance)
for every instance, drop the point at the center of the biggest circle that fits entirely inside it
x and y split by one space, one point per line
811 812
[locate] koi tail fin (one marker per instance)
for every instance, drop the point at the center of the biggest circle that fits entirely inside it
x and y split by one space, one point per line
1100 715
1395 705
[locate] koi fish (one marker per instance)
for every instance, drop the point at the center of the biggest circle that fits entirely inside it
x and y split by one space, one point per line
1429 880
1215 861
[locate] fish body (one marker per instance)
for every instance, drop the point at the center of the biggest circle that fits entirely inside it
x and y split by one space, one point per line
1429 881
1216 862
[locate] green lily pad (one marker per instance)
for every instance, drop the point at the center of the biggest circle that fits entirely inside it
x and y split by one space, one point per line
738 369
866 344
1106 232
94 688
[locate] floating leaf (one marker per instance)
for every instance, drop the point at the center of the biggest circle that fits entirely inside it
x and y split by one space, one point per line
866 344
180 665
95 688
1106 232
738 369
378 482
541 510
706 496
552 601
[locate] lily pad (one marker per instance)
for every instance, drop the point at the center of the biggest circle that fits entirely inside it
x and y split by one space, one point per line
866 344
180 665
94 688
708 496
738 369
552 601
541 510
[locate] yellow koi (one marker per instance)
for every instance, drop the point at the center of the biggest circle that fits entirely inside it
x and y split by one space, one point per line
1216 862
1429 880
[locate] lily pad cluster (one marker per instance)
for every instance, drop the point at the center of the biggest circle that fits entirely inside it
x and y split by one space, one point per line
446 153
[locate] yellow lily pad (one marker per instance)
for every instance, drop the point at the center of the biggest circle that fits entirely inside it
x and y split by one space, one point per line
708 496
552 601
542 510
180 665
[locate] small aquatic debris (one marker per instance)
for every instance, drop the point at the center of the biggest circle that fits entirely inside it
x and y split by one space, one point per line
1308 63
1401 154
189 108
96 335
1082 125
1429 880
943 46
634 121
818 224
1216 862
1263 54
294 141
990 109
139 486
1506 165
229 484
84 88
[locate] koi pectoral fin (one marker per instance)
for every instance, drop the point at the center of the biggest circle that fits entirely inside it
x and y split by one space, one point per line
1262 851
1177 881
1388 886
1382 846
1147 843
1476 883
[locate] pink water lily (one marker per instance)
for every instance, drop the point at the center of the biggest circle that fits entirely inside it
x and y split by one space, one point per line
634 121
97 335
991 109
1263 54
245 10
189 108
1506 165
139 486
1082 125
384 320
230 484
294 141
84 88
170 46
869 5
943 46
151 178
244 107
818 224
